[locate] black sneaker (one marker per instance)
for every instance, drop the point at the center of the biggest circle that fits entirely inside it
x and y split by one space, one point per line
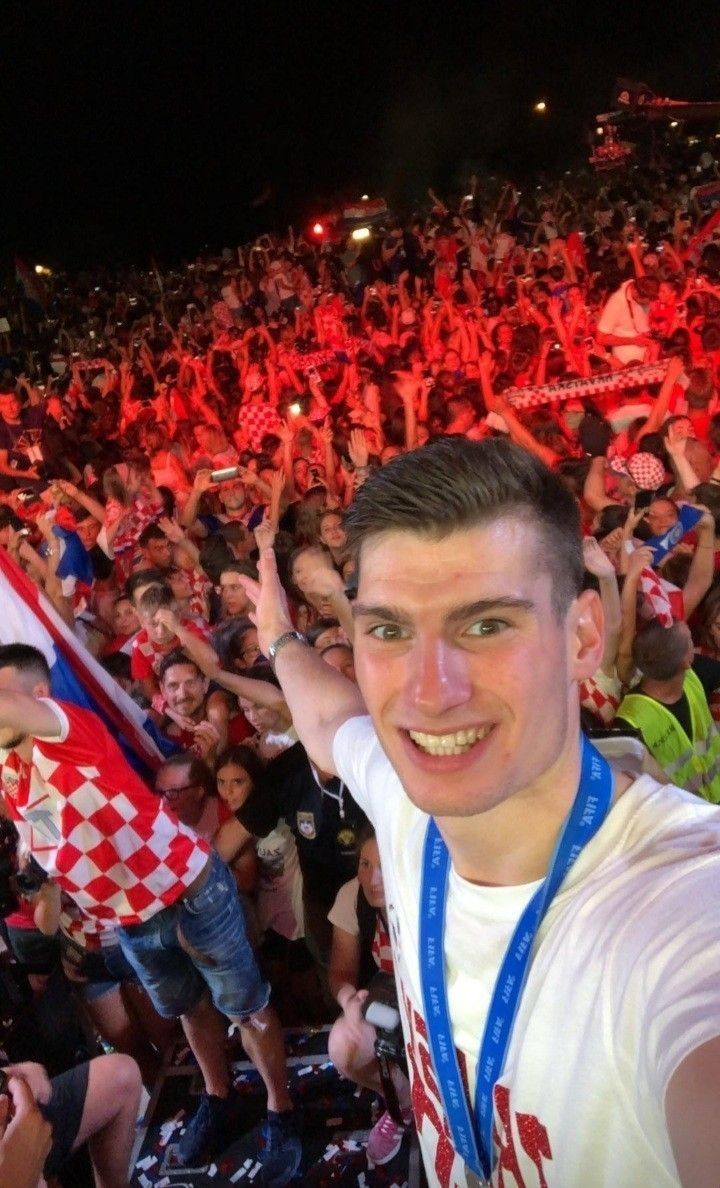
203 1131
279 1148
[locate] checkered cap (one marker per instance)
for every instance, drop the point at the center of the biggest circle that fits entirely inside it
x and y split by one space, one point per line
646 471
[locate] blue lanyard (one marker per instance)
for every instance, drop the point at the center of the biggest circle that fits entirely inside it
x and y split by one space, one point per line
472 1138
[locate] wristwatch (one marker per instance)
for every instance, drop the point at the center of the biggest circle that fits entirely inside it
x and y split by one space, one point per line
280 642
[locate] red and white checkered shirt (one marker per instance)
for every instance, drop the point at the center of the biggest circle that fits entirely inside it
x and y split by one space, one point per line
146 656
257 420
94 827
601 695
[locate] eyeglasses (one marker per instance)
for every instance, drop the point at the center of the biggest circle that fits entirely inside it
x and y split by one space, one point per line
173 793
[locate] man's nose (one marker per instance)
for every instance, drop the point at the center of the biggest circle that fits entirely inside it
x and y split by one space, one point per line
438 677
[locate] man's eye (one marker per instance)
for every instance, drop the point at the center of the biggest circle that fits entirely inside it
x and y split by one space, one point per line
487 627
388 632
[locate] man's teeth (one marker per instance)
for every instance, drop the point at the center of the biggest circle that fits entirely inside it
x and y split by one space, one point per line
456 743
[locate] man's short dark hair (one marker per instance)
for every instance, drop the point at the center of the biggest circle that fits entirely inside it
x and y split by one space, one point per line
245 568
177 656
660 652
316 629
151 532
198 770
144 577
24 658
117 665
154 598
453 484
215 555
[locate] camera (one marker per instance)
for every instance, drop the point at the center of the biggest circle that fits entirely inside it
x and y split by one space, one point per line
381 1011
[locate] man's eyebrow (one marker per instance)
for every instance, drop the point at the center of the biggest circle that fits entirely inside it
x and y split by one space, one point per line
362 610
468 610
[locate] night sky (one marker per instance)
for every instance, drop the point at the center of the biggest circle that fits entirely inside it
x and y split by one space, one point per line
141 127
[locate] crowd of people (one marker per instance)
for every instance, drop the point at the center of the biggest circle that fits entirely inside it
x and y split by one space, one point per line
163 431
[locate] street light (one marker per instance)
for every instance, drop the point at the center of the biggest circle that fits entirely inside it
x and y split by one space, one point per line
540 107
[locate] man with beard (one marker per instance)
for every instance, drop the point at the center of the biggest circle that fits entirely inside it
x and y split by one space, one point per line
196 720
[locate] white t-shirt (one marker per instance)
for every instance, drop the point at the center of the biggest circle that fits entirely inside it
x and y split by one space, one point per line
623 986
625 318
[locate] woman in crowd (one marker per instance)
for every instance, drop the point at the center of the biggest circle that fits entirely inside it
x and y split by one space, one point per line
360 947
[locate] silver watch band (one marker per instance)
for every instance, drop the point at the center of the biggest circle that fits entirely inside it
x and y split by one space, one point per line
280 642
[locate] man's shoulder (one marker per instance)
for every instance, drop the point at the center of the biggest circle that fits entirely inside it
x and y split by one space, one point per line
656 836
363 765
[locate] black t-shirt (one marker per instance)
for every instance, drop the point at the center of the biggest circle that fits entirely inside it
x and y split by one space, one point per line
324 820
24 441
103 566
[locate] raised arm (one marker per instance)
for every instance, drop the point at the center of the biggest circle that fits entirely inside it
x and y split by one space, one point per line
299 668
598 564
594 489
660 407
20 711
702 566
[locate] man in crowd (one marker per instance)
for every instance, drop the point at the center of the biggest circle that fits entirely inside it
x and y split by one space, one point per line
194 718
624 325
127 862
21 439
472 634
670 706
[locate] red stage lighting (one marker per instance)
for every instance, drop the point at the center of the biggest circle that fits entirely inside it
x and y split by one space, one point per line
318 229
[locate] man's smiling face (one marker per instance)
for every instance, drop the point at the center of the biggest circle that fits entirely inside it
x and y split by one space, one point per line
465 665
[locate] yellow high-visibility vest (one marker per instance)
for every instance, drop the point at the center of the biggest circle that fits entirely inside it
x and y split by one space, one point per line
691 763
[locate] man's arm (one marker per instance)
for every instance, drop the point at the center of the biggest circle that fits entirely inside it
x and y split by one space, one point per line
692 1102
299 668
702 566
594 489
24 713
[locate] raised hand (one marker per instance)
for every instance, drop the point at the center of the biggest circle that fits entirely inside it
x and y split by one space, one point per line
358 448
640 559
206 737
265 534
202 481
595 560
271 615
172 530
168 619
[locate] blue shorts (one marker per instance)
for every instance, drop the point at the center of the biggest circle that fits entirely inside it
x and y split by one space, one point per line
217 953
102 970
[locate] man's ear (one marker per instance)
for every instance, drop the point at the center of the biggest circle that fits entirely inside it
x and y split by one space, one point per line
41 689
586 624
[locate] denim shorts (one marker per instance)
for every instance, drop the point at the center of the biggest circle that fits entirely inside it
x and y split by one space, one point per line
213 926
103 970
